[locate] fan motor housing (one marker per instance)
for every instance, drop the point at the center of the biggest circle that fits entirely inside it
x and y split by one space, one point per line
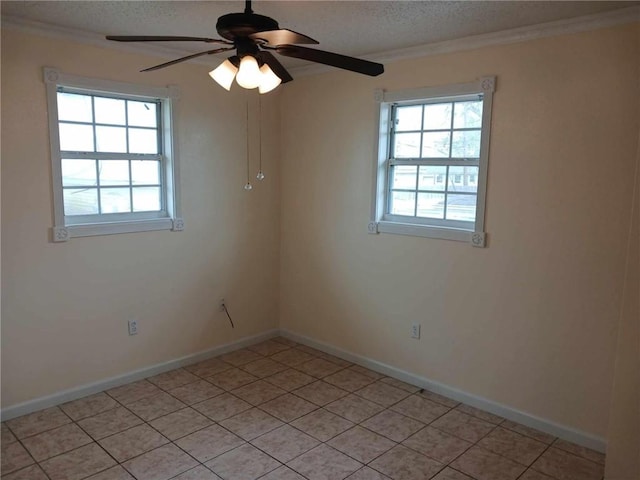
238 25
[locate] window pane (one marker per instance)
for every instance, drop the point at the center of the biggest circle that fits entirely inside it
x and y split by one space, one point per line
76 138
406 145
430 205
142 114
437 116
109 110
436 144
404 176
80 201
432 177
73 107
143 140
463 179
115 200
409 118
461 207
111 139
145 172
402 203
146 199
466 144
114 172
467 115
78 172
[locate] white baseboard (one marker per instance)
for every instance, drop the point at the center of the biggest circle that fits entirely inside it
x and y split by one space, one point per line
561 431
95 387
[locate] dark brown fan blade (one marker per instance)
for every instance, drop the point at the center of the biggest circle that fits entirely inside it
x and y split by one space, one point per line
283 37
334 59
188 57
276 66
150 38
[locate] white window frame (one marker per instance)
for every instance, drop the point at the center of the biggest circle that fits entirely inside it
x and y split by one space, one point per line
383 222
169 218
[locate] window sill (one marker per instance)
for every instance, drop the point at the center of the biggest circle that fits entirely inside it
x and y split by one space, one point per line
63 234
426 231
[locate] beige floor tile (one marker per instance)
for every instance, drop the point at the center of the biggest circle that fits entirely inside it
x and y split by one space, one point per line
132 392
78 464
232 379
349 380
33 472
285 443
354 408
240 357
173 379
6 435
450 474
282 473
402 463
251 423
54 442
270 347
257 393
366 473
528 432
245 462
109 422
512 445
361 444
442 400
533 475
394 382
437 444
133 442
292 357
320 393
288 407
38 422
383 394
209 442
481 414
290 379
195 392
285 341
420 408
209 367
341 362
160 464
318 367
199 473
180 423
485 465
464 426
156 406
114 473
393 425
322 424
566 466
264 367
366 372
580 451
88 406
221 407
13 457
310 350
324 463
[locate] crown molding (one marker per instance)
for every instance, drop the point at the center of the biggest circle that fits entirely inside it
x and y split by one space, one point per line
504 37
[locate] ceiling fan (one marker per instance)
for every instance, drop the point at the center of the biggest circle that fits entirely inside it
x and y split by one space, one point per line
254 37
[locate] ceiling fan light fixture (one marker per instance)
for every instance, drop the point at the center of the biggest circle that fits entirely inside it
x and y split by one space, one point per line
268 79
224 74
249 75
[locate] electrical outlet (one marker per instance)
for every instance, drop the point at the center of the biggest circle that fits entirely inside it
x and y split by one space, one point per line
415 330
133 327
221 307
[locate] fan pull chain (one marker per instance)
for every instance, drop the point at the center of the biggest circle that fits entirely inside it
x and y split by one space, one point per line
260 175
248 186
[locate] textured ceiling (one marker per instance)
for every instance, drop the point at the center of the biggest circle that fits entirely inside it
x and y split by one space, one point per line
356 28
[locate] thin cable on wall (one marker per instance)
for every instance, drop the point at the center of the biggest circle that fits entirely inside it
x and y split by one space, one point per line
228 316
248 185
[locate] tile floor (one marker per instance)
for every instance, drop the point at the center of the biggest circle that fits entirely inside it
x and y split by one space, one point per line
280 411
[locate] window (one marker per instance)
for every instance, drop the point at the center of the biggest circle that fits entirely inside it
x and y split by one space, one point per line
431 167
113 162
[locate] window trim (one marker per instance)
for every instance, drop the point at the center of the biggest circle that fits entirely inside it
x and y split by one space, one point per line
379 221
171 219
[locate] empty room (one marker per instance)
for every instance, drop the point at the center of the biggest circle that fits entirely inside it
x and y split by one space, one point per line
321 240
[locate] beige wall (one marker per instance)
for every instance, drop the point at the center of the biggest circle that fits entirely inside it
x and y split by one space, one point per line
530 321
65 306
